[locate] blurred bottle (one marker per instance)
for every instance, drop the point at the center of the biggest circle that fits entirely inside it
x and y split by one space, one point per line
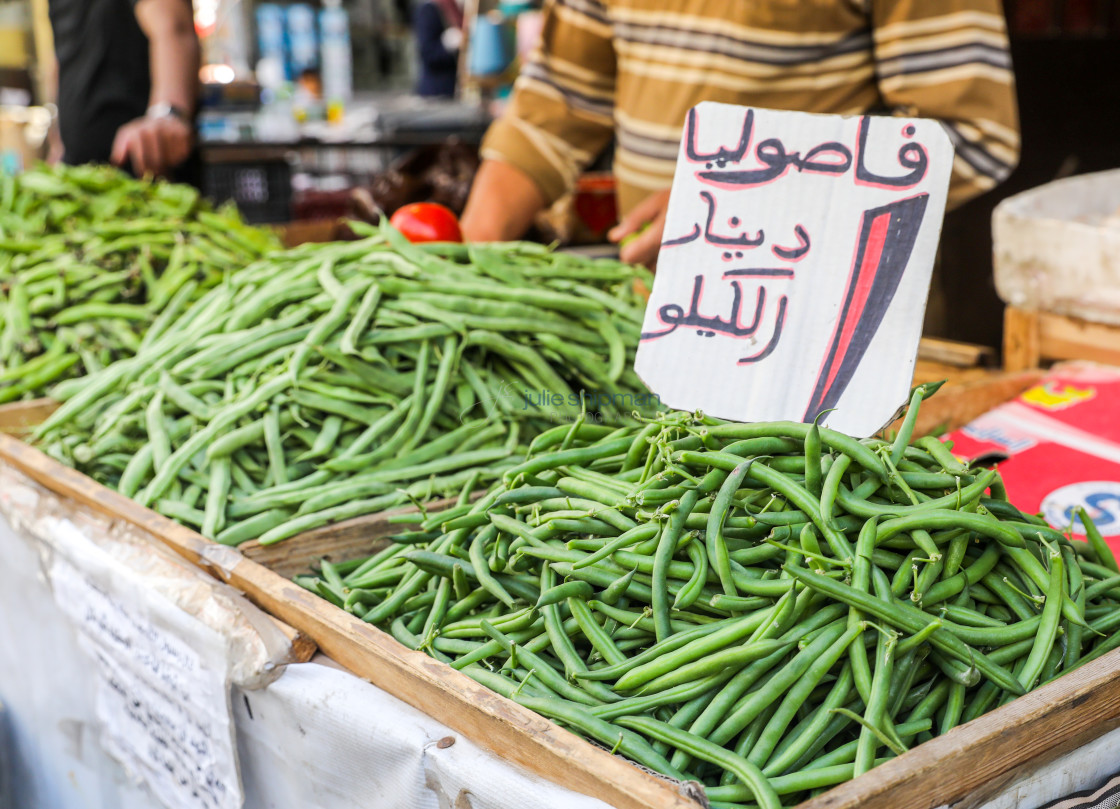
337 66
270 35
303 41
275 120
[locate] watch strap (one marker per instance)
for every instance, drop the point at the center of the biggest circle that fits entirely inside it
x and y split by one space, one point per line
165 110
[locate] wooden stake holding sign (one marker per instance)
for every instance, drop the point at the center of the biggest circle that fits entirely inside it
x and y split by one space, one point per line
795 265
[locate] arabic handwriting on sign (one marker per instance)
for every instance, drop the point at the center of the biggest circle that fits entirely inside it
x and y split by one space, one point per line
743 240
674 316
825 158
768 349
692 236
794 253
910 155
719 156
724 168
760 272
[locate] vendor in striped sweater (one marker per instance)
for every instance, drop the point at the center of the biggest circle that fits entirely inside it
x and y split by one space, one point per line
631 69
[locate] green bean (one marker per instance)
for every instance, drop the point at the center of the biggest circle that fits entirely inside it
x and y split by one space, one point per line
274 444
617 589
813 480
688 595
861 581
1100 548
761 751
624 540
253 527
797 494
1048 626
629 744
666 547
940 453
537 465
216 493
672 661
753 704
716 546
951 519
798 743
906 431
876 715
837 441
575 590
595 634
1073 632
704 749
910 620
180 512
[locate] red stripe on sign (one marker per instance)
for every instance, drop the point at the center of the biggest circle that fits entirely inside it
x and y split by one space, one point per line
865 278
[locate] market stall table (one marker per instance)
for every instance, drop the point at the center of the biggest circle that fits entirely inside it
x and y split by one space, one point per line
1012 752
316 736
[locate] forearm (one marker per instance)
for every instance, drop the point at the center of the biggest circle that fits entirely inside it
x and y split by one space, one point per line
502 205
155 143
561 114
55 149
174 49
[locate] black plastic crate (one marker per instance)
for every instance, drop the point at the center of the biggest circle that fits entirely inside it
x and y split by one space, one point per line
261 189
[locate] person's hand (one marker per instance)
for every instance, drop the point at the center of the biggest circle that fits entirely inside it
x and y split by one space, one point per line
152 145
645 225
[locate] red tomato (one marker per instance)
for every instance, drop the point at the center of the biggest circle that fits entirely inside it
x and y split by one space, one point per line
427 222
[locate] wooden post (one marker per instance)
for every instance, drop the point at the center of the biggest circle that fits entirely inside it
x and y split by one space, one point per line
1022 348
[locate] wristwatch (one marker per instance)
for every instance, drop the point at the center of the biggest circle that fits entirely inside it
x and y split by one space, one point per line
166 110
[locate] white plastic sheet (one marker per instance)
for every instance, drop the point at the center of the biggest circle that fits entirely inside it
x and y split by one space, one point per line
315 736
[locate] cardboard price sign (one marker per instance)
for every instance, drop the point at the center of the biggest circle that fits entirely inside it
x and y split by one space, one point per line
795 265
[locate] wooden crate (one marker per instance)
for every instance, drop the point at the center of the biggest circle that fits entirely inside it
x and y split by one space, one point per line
301 231
963 768
1031 338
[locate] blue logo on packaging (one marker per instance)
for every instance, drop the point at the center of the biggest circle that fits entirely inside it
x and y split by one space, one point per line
1099 498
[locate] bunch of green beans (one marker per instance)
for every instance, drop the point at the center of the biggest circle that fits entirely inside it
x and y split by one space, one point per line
768 609
332 381
90 258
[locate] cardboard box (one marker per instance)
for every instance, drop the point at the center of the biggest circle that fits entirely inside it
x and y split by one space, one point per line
1061 439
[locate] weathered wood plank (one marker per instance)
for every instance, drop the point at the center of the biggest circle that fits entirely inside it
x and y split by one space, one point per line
951 352
339 542
1021 339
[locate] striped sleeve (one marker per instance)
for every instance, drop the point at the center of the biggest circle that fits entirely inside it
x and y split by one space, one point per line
561 113
949 60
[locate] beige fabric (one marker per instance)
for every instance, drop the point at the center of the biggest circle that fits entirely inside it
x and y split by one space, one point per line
633 68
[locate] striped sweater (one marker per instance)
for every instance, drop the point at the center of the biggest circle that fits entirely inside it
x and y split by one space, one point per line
633 68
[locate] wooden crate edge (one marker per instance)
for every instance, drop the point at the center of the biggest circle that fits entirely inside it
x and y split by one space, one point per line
495 723
954 406
1079 706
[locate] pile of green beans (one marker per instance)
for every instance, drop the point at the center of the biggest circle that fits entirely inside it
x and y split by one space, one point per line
333 381
90 258
768 609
